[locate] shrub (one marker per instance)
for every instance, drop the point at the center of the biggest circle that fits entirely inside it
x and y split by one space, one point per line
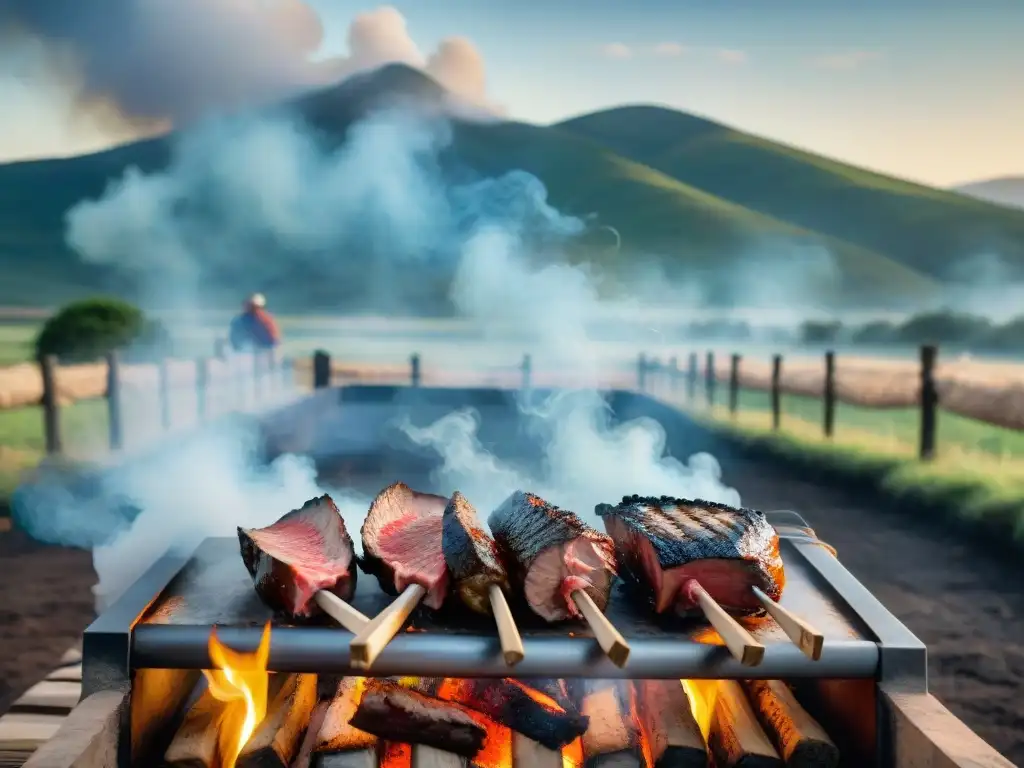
818 332
87 330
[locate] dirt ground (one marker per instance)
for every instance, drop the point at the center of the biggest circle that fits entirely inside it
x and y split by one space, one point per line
968 609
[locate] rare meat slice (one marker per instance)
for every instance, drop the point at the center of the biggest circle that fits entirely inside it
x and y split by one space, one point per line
667 544
391 712
306 551
552 553
402 542
471 555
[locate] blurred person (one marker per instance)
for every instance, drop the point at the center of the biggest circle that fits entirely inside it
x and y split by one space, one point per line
254 329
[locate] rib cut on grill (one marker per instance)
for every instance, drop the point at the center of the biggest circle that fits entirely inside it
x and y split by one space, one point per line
306 551
402 537
665 544
474 564
551 553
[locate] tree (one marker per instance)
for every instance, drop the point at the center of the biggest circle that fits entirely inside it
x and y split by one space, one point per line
87 330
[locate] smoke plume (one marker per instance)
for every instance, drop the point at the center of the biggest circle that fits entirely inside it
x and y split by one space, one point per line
96 73
237 182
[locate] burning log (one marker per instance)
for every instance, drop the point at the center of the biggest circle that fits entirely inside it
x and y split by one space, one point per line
613 737
195 745
512 704
392 712
672 732
277 738
431 757
527 752
339 744
796 735
735 738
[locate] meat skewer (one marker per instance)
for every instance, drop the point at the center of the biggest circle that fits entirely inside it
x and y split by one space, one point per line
305 561
807 638
699 557
565 567
480 578
402 547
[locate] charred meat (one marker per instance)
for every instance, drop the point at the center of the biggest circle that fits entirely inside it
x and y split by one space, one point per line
471 555
306 551
552 553
402 537
667 544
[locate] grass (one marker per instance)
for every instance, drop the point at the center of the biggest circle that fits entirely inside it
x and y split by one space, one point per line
923 228
976 482
16 341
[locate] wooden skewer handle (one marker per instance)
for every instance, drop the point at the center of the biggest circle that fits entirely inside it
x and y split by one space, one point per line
371 639
741 644
508 633
612 643
341 612
807 638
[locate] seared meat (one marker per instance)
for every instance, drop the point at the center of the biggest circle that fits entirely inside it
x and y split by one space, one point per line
306 551
666 544
552 553
471 555
402 542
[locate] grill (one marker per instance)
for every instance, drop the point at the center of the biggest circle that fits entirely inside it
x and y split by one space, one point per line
145 698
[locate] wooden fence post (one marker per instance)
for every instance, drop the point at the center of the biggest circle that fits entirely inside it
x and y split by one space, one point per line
114 413
709 379
321 369
273 363
220 349
734 384
51 407
259 364
673 373
691 378
929 402
414 370
202 386
776 391
829 394
641 372
163 385
527 371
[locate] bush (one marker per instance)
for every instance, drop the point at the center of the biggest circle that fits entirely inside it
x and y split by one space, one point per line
818 332
87 330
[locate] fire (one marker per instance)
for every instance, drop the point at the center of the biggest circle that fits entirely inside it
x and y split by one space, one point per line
702 695
540 697
240 681
497 749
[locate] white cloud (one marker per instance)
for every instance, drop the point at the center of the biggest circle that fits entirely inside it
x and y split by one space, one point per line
731 56
122 69
846 60
669 49
617 51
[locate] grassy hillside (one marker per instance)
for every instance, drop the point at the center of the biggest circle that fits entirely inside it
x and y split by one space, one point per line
928 230
692 228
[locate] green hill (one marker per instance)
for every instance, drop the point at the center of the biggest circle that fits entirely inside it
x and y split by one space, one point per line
686 226
929 230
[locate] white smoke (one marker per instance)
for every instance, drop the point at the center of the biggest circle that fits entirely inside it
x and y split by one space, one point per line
235 185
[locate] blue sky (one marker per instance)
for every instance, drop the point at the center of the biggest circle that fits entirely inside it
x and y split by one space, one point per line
932 91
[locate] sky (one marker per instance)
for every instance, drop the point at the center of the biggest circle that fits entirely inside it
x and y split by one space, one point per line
930 90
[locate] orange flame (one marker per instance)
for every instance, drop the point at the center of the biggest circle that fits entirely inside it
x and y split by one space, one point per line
702 695
240 681
572 754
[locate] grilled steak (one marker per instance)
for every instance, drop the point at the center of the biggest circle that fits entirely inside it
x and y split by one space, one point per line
508 702
398 714
666 544
552 553
471 555
402 542
306 551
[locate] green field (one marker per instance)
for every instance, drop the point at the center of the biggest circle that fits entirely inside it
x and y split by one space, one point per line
700 198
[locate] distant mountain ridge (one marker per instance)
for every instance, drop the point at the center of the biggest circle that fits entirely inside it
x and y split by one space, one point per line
703 199
1004 190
